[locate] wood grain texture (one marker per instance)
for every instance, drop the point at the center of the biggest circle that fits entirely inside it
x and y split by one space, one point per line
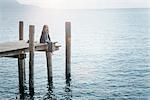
13 48
31 59
68 49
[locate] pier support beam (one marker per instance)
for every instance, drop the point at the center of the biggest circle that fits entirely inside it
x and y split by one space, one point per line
31 59
49 64
21 63
21 58
68 49
21 33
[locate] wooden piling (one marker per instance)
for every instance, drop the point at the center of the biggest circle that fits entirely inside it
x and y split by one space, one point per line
20 72
49 64
21 63
68 49
21 30
31 59
21 33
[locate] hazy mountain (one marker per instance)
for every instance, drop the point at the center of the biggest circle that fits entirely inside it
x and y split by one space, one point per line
14 5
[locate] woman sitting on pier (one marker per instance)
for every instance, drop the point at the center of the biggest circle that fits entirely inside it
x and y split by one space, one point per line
45 37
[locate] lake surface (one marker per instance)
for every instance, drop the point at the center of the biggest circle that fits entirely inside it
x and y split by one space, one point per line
110 54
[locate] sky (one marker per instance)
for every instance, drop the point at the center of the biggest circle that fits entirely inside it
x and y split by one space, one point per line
87 4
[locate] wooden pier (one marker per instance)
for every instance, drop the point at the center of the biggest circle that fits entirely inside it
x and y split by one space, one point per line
18 49
12 49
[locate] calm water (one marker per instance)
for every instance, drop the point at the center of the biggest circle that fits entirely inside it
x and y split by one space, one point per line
110 54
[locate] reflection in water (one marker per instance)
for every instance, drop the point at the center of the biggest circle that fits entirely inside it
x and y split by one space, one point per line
68 91
31 98
25 96
50 95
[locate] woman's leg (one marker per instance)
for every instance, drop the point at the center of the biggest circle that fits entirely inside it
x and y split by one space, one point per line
49 46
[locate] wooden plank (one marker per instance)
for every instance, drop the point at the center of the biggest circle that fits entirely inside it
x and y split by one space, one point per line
9 53
12 48
18 45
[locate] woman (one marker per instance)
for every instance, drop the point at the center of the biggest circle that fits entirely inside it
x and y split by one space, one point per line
45 38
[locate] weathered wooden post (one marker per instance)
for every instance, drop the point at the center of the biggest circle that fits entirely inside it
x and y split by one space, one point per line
21 33
49 63
21 30
68 49
21 63
31 59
